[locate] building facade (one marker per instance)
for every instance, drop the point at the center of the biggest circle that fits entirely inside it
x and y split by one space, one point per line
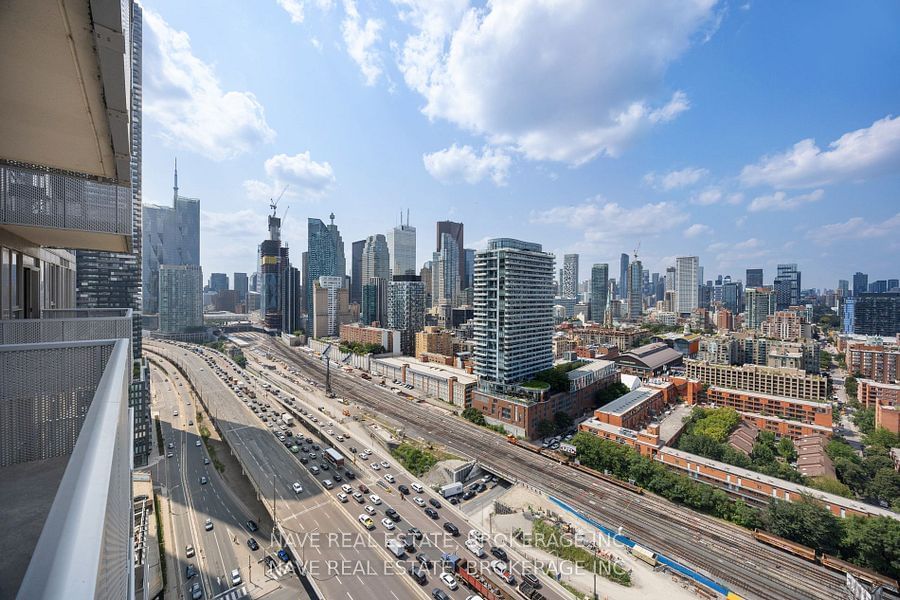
634 294
406 309
754 278
569 280
513 312
760 303
687 284
599 292
401 244
789 383
445 273
325 258
180 298
330 306
877 314
456 233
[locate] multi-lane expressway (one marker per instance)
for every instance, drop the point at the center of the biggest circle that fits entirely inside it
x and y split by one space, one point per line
343 560
223 548
434 540
724 552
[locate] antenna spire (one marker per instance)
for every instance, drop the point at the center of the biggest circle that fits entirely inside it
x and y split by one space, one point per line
176 179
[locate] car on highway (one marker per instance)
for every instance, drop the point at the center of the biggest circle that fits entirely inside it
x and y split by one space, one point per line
313 456
358 497
297 487
419 501
252 526
367 521
424 560
363 488
434 503
449 580
432 513
209 525
475 547
175 413
389 478
169 455
252 544
190 572
451 529
352 449
403 489
376 500
375 467
235 577
337 477
283 555
468 494
385 464
347 489
303 460
350 475
531 579
205 460
197 443
369 509
204 481
500 569
387 523
324 466
314 470
417 487
499 553
189 550
342 497
415 532
171 445
393 515
196 591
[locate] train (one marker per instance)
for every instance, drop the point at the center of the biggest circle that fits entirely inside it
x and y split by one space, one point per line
826 560
472 578
566 460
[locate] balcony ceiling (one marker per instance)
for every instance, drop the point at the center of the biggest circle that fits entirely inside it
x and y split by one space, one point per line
64 86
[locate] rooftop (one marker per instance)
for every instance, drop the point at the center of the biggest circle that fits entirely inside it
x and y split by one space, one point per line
623 404
738 472
766 396
653 355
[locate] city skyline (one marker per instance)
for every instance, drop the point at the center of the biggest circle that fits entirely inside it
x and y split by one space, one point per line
710 174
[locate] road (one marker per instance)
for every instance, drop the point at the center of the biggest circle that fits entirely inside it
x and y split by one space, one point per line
190 504
435 539
722 551
343 559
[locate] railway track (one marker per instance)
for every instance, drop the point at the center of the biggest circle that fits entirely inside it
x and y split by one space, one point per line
653 521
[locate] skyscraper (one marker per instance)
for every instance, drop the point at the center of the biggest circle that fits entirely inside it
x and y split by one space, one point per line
877 314
406 309
427 280
843 287
513 337
218 282
401 244
860 283
241 286
356 280
180 298
687 284
374 301
787 285
171 236
376 261
569 276
599 291
754 278
277 280
455 231
469 279
760 303
623 275
330 306
634 296
326 255
445 273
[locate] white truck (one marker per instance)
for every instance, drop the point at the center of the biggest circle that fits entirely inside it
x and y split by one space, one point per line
452 489
396 547
287 419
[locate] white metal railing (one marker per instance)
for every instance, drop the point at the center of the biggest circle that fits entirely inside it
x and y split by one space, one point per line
68 325
85 548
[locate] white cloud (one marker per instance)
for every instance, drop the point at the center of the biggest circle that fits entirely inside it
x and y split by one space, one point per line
854 156
781 201
305 178
564 83
697 229
856 228
458 164
360 38
294 8
738 253
183 95
602 220
675 179
710 195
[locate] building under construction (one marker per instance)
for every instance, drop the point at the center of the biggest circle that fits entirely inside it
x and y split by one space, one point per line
280 286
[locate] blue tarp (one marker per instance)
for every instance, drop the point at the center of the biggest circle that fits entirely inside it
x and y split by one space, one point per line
669 562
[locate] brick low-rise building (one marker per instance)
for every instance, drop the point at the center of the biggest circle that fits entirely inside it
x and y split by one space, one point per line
804 411
434 340
649 360
884 398
787 383
879 362
389 339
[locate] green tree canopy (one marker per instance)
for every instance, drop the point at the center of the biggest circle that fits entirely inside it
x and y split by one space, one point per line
804 522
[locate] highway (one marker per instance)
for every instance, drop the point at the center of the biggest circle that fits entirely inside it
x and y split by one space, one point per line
223 548
722 551
435 540
343 559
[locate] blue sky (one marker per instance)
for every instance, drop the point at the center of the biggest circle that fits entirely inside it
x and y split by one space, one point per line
747 133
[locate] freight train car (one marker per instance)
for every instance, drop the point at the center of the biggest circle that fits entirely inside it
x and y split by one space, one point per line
786 545
866 575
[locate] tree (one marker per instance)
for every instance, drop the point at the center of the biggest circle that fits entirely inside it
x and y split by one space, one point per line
865 420
804 522
873 542
474 415
830 485
786 449
852 474
545 428
762 454
883 437
885 485
850 386
562 420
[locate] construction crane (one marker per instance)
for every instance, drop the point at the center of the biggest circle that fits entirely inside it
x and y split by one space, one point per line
638 247
273 204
